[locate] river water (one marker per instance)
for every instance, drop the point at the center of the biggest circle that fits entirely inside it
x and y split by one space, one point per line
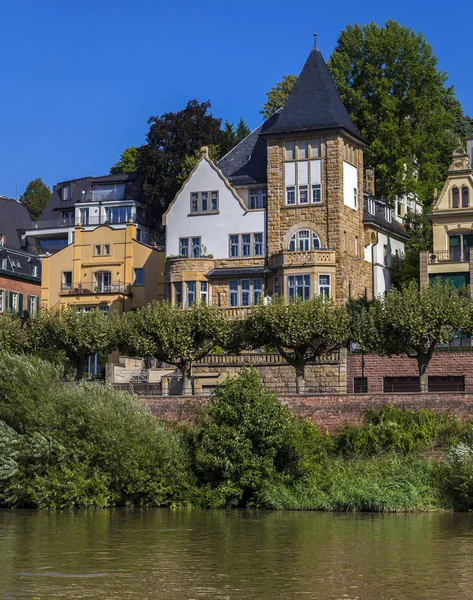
235 555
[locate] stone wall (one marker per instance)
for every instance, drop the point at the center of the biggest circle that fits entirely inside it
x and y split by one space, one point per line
453 363
329 412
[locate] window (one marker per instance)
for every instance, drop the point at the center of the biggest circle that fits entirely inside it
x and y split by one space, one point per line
13 302
138 235
245 292
34 270
360 385
196 247
324 286
290 194
298 286
190 287
139 276
204 291
106 249
455 198
214 201
372 206
401 384
465 197
3 304
315 148
302 149
303 195
200 202
233 292
257 198
234 246
178 293
103 308
355 197
388 214
32 305
4 263
447 383
109 191
246 244
290 150
257 290
316 193
84 216
103 282
258 244
301 240
184 246
119 214
400 208
97 250
66 192
67 217
67 280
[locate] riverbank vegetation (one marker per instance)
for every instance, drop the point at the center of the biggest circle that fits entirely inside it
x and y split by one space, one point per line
67 444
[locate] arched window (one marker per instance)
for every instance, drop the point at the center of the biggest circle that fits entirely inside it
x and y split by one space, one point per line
304 240
465 197
455 198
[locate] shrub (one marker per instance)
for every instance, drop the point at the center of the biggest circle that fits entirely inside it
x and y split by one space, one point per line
457 477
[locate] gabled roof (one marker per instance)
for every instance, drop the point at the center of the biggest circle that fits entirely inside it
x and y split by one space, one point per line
314 104
14 218
247 162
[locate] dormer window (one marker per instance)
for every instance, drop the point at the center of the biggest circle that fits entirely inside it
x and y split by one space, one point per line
2 240
388 214
371 206
66 192
34 270
109 191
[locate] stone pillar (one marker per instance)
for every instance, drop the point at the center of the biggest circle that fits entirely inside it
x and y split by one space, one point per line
368 182
424 268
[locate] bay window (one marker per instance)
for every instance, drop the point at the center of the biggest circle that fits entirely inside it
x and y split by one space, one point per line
298 287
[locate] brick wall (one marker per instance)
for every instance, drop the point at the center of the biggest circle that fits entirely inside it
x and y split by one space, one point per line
329 412
378 367
19 286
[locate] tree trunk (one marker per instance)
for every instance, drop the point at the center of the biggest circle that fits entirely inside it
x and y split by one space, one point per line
186 381
423 364
300 378
80 370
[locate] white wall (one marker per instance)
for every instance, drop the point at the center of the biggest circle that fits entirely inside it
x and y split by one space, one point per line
350 182
375 253
213 229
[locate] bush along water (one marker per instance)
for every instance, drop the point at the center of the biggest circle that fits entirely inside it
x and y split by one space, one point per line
65 445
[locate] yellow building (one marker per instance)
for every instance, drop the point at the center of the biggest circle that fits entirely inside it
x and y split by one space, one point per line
452 222
106 269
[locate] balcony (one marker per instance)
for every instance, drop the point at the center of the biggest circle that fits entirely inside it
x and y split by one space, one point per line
454 255
301 258
94 288
91 221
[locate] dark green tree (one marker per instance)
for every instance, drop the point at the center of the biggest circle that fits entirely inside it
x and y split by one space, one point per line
35 197
242 130
171 138
277 95
389 81
127 162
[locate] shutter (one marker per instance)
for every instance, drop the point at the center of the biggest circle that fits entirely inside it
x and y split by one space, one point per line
11 302
37 305
20 304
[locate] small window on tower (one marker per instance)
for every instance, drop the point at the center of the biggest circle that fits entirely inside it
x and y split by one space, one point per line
290 150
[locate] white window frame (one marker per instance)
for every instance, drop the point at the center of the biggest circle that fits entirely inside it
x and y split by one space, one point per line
246 245
233 288
205 202
295 241
304 194
64 284
324 288
245 292
257 198
258 244
388 215
291 193
204 291
184 247
316 193
257 290
355 197
294 284
3 304
371 206
14 302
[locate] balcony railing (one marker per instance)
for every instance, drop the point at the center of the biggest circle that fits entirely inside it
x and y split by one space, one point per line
450 256
95 288
86 222
287 258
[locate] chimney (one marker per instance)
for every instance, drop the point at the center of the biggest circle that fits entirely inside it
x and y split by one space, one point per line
368 181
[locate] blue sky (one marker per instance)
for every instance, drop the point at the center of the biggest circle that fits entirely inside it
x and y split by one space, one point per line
79 80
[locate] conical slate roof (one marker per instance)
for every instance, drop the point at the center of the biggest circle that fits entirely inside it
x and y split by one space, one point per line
314 104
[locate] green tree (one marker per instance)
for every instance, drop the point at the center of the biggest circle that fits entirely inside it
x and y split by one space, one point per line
171 138
173 335
413 321
78 335
407 268
14 335
190 162
127 162
277 95
241 442
35 197
389 81
236 135
301 331
242 130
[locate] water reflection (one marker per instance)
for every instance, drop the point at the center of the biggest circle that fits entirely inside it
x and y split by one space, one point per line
235 555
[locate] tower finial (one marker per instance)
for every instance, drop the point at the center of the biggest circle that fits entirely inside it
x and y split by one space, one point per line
315 40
